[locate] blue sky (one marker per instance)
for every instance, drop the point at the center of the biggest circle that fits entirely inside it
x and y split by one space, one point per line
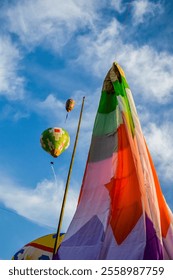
52 50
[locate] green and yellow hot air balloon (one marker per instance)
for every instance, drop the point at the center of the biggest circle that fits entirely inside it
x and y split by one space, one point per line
55 141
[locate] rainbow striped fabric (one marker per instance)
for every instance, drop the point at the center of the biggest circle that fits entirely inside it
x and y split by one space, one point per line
121 213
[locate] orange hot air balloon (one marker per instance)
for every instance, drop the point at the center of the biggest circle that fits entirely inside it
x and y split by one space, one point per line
69 105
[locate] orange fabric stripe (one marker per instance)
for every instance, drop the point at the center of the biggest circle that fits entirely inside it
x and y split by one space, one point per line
126 206
164 214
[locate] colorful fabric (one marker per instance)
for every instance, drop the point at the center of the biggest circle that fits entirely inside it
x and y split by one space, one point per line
122 213
39 249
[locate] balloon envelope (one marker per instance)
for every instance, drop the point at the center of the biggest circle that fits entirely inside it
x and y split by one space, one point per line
38 249
69 105
55 141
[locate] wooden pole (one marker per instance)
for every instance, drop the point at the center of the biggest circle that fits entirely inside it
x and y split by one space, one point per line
67 183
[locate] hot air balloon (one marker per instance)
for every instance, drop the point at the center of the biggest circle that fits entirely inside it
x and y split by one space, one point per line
55 141
69 105
38 249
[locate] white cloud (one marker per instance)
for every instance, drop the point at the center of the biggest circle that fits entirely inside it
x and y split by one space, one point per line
11 83
148 71
55 23
51 22
98 51
41 204
160 142
117 5
51 103
143 9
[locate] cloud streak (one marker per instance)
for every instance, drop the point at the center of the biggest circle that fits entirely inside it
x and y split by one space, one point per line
143 9
159 138
148 70
48 22
11 82
40 204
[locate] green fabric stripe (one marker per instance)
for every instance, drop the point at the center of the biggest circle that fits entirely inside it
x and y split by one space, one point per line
124 81
120 90
108 116
120 87
108 103
107 123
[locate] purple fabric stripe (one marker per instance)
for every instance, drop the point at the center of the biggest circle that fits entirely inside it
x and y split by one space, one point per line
153 248
84 244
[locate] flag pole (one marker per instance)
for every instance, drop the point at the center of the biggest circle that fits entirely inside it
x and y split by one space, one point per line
67 183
